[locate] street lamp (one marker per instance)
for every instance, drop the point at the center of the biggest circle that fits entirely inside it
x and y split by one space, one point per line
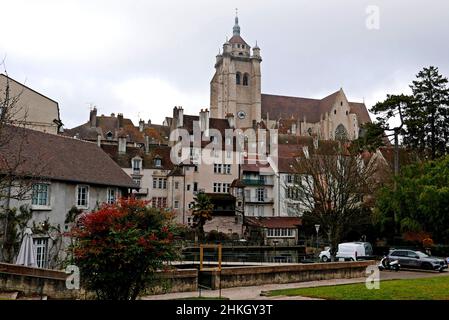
317 228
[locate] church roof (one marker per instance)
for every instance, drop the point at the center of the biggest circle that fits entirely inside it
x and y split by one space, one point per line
305 108
237 39
360 110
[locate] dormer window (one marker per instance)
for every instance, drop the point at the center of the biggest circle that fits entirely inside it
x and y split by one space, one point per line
136 165
109 135
158 162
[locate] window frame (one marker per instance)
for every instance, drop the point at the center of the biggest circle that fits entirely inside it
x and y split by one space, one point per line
41 258
108 196
77 194
136 169
38 205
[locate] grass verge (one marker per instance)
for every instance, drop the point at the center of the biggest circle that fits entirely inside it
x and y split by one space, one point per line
436 288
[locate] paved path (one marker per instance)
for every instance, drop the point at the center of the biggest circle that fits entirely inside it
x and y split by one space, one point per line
253 292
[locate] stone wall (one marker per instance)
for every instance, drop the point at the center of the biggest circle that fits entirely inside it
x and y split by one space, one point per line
259 275
35 281
51 283
182 280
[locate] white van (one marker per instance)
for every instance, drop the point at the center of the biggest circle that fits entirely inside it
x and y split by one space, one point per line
349 251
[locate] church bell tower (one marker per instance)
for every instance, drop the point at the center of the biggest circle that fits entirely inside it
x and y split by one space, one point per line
236 85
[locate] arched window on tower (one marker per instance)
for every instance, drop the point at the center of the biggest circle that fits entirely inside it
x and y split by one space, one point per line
237 78
245 79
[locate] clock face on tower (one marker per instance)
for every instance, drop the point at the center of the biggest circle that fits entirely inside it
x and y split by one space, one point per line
241 114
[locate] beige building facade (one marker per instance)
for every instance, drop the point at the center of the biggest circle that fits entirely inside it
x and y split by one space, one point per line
31 109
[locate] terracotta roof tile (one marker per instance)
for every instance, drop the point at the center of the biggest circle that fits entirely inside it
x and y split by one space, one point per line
106 124
124 160
237 40
284 107
274 222
57 157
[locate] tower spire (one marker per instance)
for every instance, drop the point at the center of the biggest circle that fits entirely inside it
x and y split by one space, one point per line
236 29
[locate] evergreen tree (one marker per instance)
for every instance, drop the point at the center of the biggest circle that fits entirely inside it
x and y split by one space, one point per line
426 120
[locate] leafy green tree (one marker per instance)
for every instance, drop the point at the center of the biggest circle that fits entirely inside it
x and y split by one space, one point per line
371 138
427 119
393 107
120 247
419 203
201 212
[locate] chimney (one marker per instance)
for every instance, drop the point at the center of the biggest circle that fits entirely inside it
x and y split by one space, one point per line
141 125
231 120
122 144
93 117
147 144
178 117
120 120
99 140
204 120
149 122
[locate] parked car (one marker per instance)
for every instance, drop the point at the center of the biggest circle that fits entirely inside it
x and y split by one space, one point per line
349 251
417 260
325 255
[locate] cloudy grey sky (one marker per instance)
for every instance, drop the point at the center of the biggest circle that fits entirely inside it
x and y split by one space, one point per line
142 58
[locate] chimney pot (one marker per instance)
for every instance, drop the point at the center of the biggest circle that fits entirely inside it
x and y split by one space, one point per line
147 144
141 125
93 118
122 144
120 120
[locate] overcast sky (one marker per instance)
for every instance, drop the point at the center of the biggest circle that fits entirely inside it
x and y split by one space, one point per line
142 58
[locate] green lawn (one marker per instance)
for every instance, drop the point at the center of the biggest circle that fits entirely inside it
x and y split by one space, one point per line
436 288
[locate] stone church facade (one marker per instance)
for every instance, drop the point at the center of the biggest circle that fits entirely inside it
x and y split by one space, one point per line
236 89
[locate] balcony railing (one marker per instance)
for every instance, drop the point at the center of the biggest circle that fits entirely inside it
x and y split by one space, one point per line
258 182
259 200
